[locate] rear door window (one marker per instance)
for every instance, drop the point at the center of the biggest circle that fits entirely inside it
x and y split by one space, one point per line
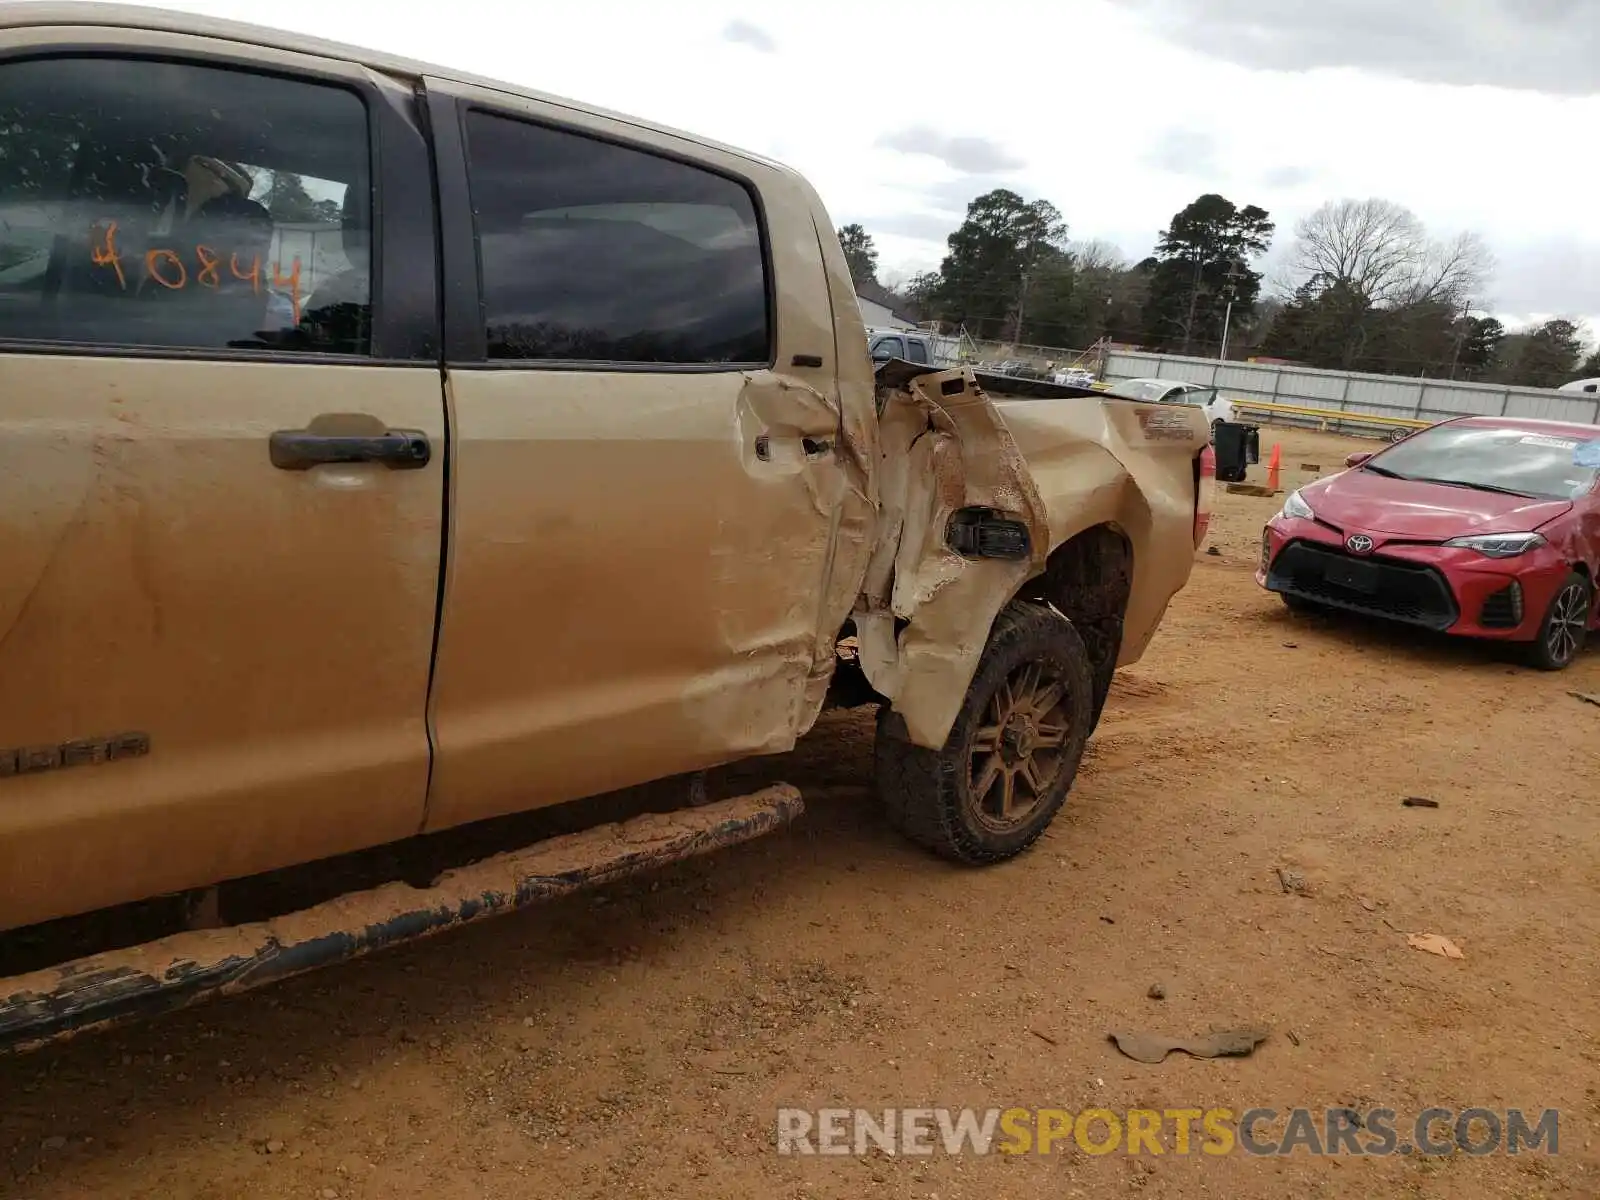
596 252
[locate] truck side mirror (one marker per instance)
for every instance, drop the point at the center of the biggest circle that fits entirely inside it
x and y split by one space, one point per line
1359 457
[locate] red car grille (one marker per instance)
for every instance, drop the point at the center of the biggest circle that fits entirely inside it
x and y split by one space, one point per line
1383 587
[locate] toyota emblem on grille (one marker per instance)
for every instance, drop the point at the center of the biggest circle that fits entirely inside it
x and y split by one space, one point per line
1359 543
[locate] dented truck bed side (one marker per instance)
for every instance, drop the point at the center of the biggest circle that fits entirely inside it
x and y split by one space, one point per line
1058 466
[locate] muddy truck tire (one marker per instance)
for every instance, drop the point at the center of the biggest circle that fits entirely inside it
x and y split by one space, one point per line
1012 754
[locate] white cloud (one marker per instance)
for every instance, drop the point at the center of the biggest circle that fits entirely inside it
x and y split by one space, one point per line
746 34
975 155
1287 177
1541 45
1113 119
1191 152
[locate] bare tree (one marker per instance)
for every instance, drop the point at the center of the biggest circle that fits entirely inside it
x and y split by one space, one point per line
1375 247
1096 256
1380 251
1452 272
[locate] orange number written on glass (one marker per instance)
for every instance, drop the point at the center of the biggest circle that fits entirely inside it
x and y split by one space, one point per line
165 267
103 249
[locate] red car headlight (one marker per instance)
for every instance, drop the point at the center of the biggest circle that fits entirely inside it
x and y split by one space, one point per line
1498 545
1295 507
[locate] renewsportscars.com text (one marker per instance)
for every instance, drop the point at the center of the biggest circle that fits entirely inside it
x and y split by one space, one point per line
1180 1131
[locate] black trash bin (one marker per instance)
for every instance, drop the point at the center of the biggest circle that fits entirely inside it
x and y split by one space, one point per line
1236 445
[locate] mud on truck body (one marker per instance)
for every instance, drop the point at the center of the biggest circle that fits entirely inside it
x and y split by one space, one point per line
549 463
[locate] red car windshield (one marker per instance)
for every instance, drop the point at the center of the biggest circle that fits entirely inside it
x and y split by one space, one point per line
1521 462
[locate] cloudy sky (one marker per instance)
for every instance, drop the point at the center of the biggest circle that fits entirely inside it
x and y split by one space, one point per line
1477 114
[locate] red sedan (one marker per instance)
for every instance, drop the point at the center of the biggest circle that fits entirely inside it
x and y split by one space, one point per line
1487 527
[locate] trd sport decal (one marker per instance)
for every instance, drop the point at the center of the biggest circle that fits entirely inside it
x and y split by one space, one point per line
1165 426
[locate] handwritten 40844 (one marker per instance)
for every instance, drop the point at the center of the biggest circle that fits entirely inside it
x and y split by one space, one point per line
166 267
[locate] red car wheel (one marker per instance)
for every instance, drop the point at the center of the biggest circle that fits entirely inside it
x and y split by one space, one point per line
1565 625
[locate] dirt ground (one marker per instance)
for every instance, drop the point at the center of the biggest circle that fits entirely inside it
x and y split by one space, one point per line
638 1041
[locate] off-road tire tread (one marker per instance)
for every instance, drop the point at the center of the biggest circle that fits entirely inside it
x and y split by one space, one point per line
919 786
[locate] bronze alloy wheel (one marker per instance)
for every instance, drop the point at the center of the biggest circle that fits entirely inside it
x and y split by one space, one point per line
1010 758
1016 752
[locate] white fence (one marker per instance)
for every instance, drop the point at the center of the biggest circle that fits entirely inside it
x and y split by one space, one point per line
1347 391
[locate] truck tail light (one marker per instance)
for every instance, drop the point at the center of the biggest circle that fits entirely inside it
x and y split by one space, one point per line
1205 482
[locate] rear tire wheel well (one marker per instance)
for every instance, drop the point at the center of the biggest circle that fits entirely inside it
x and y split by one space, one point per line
1088 579
849 687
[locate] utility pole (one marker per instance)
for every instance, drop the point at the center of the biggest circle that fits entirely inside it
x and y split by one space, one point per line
1231 290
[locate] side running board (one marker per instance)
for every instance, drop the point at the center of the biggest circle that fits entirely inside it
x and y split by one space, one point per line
175 972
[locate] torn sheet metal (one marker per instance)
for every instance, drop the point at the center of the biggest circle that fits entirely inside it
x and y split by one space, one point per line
944 447
1062 465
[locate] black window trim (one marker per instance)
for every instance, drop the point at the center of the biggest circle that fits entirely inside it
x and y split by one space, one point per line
404 286
466 336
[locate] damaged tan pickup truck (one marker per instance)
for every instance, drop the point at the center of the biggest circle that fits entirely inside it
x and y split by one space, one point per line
385 451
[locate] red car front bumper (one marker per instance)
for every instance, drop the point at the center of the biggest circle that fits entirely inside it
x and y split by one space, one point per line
1450 590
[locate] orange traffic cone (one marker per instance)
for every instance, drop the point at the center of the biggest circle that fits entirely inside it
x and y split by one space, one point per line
1273 464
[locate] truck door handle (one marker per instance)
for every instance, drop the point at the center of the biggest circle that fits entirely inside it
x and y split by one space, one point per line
301 449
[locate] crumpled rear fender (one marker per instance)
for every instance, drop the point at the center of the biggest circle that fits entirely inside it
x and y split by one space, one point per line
924 612
1065 466
1126 466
